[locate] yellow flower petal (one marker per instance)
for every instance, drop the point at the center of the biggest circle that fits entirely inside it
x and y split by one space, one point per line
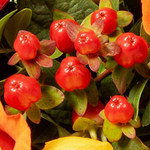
77 143
145 15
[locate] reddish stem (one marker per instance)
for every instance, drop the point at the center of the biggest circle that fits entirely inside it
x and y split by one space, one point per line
104 74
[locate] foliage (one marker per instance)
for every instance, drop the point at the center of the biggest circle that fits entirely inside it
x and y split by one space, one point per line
50 117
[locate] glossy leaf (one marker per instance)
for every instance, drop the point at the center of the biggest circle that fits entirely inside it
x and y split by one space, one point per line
94 62
19 21
47 47
82 123
124 18
128 130
112 131
58 15
115 4
57 53
129 144
122 77
43 11
12 111
105 3
87 22
92 93
142 69
51 97
34 113
135 95
146 115
135 123
50 73
78 100
44 60
14 59
113 36
32 68
61 131
3 22
111 63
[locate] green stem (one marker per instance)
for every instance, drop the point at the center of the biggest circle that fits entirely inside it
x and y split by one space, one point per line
93 132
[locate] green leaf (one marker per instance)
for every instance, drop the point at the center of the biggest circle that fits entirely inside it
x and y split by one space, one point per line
50 73
34 113
107 88
142 69
82 123
129 144
51 97
113 36
128 130
58 15
136 27
105 3
12 111
115 4
3 22
78 100
61 131
135 95
92 93
124 18
135 123
56 54
111 63
32 68
146 115
87 22
112 131
19 21
43 13
62 113
122 77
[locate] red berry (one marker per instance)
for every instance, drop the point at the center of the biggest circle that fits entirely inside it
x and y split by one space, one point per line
3 3
118 109
20 91
26 45
134 49
109 16
91 113
58 33
87 42
72 74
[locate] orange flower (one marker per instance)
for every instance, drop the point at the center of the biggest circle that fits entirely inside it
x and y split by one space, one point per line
145 15
15 134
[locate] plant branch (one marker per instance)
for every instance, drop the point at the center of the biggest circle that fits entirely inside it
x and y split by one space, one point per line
104 74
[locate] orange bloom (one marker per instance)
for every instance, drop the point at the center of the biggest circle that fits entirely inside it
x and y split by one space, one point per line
15 134
145 15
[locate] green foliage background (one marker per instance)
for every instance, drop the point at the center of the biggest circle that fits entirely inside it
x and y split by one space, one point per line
36 17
